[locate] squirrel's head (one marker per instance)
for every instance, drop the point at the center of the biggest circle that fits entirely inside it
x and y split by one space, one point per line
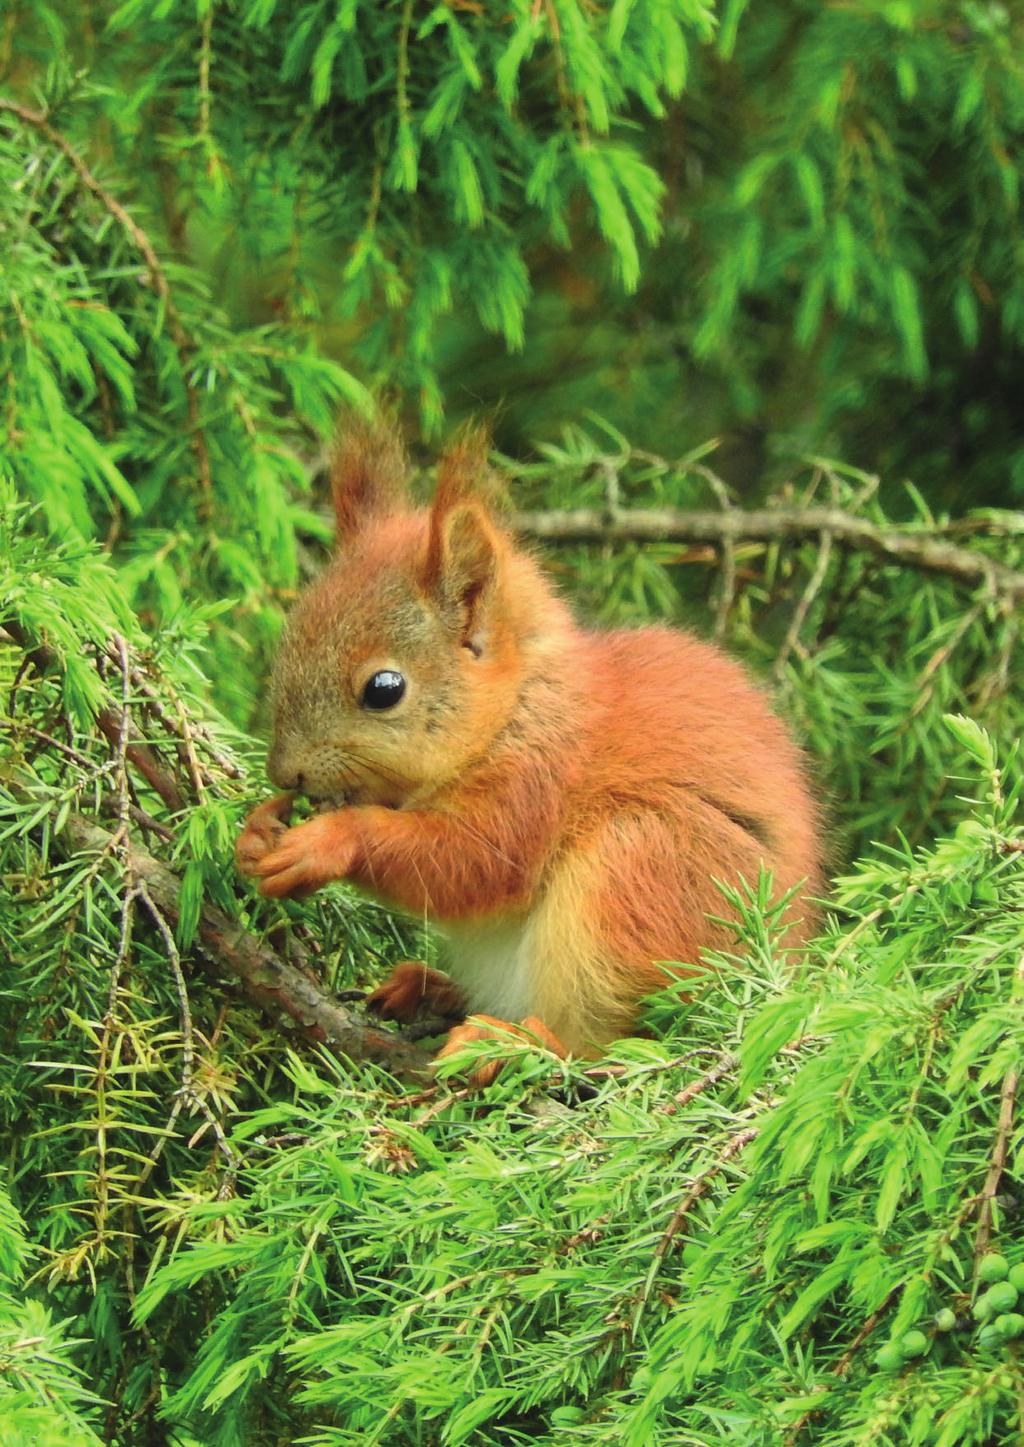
404 660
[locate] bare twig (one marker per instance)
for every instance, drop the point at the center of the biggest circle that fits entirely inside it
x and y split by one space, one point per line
911 547
727 551
800 612
996 1165
186 1095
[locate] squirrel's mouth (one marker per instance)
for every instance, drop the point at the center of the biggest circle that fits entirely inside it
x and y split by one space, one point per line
328 803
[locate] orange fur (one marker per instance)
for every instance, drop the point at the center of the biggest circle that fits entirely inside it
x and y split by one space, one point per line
560 801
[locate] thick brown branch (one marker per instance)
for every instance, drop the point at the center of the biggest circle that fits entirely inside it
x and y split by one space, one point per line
911 547
270 982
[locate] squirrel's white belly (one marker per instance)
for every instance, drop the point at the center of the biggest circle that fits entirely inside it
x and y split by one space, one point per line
491 960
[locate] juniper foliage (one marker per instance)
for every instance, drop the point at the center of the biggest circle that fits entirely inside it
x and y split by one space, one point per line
369 169
44 1400
219 223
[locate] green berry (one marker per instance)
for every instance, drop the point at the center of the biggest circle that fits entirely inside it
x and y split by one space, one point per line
945 1320
993 1267
889 1358
1002 1296
988 1336
982 1308
913 1344
1016 1276
993 1302
1009 1325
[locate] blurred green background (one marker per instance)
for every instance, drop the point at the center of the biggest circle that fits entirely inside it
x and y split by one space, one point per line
790 226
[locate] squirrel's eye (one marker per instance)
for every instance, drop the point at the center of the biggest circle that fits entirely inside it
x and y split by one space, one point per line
384 690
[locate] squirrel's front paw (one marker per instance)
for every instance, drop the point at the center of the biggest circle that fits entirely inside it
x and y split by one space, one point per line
267 824
306 857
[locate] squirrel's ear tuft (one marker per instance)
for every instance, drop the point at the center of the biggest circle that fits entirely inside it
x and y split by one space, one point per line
462 472
368 475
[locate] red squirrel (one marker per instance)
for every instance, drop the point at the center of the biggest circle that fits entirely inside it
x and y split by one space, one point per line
559 802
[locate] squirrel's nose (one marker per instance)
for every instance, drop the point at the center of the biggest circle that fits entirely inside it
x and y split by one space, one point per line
284 775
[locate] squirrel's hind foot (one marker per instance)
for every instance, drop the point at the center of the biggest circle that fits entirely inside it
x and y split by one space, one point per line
531 1031
411 989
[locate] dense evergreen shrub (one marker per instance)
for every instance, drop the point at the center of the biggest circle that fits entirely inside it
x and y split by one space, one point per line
832 1153
794 226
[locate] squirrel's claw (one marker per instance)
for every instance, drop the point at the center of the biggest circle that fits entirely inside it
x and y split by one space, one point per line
264 827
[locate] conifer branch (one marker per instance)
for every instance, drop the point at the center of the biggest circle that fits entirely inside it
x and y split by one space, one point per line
186 1095
110 722
698 1186
277 987
845 1362
183 344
